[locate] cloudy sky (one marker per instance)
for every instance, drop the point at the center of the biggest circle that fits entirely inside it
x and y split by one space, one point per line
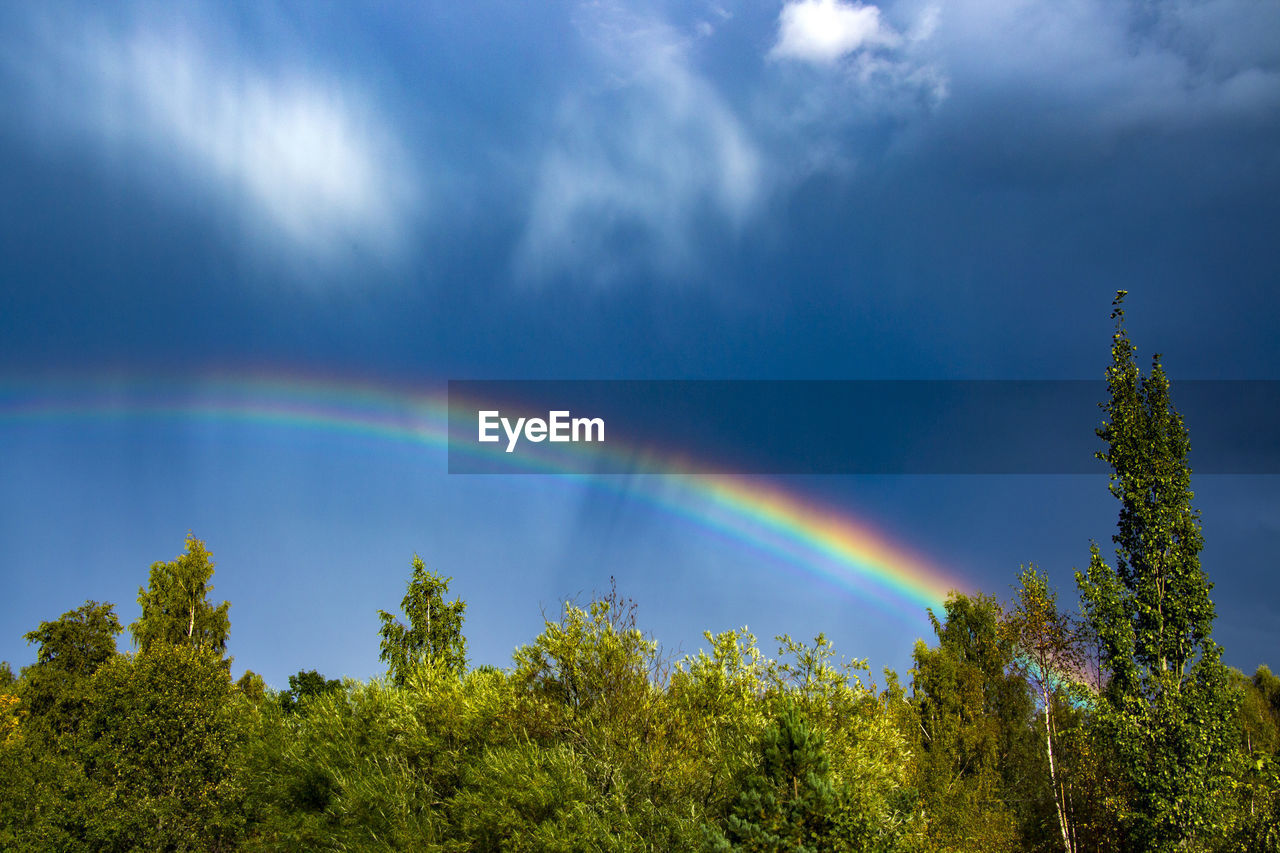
389 196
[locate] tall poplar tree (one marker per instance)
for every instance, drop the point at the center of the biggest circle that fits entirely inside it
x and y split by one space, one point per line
1166 712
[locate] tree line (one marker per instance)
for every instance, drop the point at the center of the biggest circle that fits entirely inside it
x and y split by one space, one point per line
1024 725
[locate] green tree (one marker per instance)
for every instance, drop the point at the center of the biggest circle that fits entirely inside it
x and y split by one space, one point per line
42 780
1268 685
252 686
304 686
56 688
159 746
1048 652
434 632
79 641
175 605
592 681
789 803
1168 707
972 729
1258 792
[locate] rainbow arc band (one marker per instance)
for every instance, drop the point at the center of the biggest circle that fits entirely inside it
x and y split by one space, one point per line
815 540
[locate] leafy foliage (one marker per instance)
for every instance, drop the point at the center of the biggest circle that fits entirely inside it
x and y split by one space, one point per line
1168 707
57 688
304 686
1024 727
175 606
159 752
1048 648
973 728
789 802
434 632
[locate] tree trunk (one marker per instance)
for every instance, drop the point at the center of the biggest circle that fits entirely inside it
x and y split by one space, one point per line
1058 803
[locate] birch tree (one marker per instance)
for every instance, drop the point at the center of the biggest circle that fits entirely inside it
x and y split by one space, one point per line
175 604
1048 653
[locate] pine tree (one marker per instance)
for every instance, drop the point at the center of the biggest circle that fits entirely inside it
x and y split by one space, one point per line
789 803
1167 709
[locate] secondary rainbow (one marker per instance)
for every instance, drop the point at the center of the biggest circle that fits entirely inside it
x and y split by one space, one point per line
817 540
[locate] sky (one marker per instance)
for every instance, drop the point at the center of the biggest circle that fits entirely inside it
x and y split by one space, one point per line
244 247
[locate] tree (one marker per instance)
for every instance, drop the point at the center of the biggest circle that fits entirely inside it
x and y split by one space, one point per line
789 803
42 780
434 632
972 728
175 605
1168 707
79 641
252 686
304 686
159 747
1048 653
56 688
1258 782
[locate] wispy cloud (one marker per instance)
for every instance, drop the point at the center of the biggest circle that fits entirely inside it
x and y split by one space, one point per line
302 158
639 160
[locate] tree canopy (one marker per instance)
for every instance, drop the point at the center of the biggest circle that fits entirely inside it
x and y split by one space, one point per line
175 606
434 633
1169 708
1025 726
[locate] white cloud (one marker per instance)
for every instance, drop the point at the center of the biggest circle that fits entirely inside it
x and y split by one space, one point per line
638 164
852 86
823 31
302 159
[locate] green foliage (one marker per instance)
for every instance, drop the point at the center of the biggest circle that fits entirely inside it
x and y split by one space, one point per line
870 757
1168 709
42 796
304 686
79 641
434 632
789 803
1048 649
252 686
175 605
593 682
56 689
1267 686
158 750
592 740
715 719
591 663
524 797
356 771
1256 781
974 737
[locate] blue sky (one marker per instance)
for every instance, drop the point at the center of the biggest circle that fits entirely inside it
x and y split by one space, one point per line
409 193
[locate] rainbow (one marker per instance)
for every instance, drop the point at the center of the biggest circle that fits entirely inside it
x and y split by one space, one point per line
816 540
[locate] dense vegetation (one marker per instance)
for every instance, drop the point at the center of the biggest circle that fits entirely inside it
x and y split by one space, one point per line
1023 725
